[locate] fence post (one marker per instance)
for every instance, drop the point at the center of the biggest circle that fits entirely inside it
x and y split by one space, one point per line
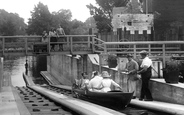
71 45
49 45
67 41
93 44
134 50
89 42
100 63
149 49
3 45
163 50
26 46
1 72
105 48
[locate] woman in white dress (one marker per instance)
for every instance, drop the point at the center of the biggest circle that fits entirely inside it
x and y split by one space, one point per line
107 82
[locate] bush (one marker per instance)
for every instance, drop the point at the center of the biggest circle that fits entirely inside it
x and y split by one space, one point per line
112 60
171 71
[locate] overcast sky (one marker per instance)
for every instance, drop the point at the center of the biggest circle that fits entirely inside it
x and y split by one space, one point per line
23 7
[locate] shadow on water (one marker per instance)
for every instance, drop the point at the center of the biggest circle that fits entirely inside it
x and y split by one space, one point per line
36 64
39 63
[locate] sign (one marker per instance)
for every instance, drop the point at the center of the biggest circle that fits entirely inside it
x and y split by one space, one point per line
133 22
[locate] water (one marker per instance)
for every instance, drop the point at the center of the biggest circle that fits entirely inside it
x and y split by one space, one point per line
14 67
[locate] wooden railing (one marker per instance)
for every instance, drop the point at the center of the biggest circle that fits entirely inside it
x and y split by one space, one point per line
85 44
25 44
161 50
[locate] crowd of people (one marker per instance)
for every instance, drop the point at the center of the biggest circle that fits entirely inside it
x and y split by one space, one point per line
55 35
134 71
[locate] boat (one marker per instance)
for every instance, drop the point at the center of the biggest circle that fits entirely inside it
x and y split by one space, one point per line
115 97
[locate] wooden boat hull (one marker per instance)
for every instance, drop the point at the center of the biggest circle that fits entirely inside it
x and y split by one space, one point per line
114 98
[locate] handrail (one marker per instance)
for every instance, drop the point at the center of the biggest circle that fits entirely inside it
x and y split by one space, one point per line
92 44
144 42
158 49
20 36
25 44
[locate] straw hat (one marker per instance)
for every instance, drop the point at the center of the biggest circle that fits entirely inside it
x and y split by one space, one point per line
105 74
129 55
144 52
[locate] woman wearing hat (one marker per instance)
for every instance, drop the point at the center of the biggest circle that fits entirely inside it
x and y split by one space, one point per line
145 71
107 82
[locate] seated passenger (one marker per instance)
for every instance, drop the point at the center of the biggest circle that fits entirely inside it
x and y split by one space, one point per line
84 80
94 83
107 82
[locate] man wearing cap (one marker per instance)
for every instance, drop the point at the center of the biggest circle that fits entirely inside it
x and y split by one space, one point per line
132 67
145 71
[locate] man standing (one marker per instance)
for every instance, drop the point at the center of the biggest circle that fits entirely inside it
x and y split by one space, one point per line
60 31
145 72
132 67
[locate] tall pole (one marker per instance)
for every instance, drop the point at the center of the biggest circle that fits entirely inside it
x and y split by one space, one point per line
146 6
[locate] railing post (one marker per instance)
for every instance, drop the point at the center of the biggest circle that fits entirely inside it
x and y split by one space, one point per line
88 41
105 48
67 39
3 45
93 46
71 45
163 50
26 46
100 63
1 72
49 45
134 50
149 49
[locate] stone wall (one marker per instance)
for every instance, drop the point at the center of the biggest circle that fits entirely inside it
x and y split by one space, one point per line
172 93
66 69
63 68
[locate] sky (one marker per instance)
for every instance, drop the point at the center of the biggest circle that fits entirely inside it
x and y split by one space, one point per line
24 7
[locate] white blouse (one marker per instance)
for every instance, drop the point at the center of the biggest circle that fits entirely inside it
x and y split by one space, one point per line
106 84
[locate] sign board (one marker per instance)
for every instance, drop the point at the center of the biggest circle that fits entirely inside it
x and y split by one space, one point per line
133 22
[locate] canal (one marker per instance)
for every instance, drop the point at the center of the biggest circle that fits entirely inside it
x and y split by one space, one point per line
32 65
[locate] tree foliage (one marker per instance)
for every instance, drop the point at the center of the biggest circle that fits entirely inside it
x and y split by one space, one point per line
103 13
40 20
11 24
62 17
43 20
78 27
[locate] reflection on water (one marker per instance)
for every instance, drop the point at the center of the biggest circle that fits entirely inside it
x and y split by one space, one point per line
15 66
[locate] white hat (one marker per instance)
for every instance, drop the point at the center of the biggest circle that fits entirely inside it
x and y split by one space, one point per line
105 74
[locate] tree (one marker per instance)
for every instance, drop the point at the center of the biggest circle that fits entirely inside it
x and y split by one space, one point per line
103 13
78 27
11 24
62 17
40 20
